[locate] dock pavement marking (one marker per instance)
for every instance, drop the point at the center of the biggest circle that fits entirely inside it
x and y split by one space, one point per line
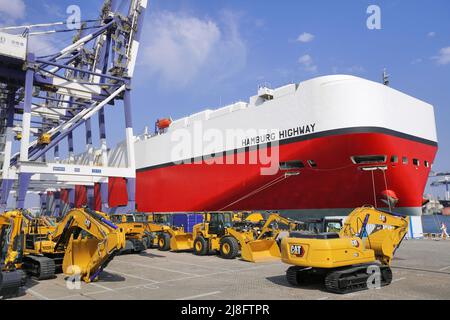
200 295
133 276
157 268
36 294
444 268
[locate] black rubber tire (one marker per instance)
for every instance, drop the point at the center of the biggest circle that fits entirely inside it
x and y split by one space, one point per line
138 246
203 244
233 248
164 242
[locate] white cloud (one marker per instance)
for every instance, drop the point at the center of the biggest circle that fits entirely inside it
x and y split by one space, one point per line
308 63
11 10
431 34
443 57
355 69
305 37
42 45
180 48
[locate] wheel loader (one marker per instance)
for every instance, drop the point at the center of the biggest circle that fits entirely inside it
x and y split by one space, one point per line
83 243
218 233
135 225
175 238
356 258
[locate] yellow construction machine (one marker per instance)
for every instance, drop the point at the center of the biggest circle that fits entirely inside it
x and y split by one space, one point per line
83 243
90 241
219 233
135 225
356 258
11 235
266 245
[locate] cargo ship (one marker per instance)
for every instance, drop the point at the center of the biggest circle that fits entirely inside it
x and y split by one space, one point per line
319 147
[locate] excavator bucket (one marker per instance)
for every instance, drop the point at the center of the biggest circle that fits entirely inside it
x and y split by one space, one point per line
181 242
82 258
260 250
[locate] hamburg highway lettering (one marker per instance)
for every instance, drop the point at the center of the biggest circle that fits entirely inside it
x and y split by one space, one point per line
195 144
283 134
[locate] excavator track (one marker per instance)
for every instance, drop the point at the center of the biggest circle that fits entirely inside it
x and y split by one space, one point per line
354 279
40 267
10 283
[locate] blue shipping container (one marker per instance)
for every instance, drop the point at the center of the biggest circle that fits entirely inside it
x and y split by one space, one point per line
187 220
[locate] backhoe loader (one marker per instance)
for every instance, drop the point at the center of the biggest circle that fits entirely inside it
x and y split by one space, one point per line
354 259
135 225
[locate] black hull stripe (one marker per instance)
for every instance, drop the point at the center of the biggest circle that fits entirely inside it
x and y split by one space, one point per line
321 134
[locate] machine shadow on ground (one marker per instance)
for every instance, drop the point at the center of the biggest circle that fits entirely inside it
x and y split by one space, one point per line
281 281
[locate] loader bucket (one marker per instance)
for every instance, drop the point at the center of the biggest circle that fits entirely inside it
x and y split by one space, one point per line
181 242
260 250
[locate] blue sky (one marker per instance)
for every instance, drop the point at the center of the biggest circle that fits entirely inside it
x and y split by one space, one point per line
199 54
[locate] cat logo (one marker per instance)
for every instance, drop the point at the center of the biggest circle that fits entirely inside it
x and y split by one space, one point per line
297 250
88 223
355 243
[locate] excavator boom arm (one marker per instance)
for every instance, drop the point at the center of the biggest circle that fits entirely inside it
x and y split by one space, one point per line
387 232
89 240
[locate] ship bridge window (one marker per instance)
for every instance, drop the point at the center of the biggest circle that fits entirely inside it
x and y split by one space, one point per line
394 159
426 164
288 165
405 160
369 159
416 162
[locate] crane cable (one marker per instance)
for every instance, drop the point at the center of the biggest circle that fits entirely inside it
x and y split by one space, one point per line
386 186
374 192
258 190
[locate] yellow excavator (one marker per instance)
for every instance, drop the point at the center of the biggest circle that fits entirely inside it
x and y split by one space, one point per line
135 225
11 234
89 241
83 243
354 259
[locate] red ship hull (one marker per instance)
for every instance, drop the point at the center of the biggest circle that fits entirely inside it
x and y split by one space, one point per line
336 183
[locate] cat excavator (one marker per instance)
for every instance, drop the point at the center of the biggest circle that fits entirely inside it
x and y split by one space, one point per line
11 235
354 259
83 243
89 241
